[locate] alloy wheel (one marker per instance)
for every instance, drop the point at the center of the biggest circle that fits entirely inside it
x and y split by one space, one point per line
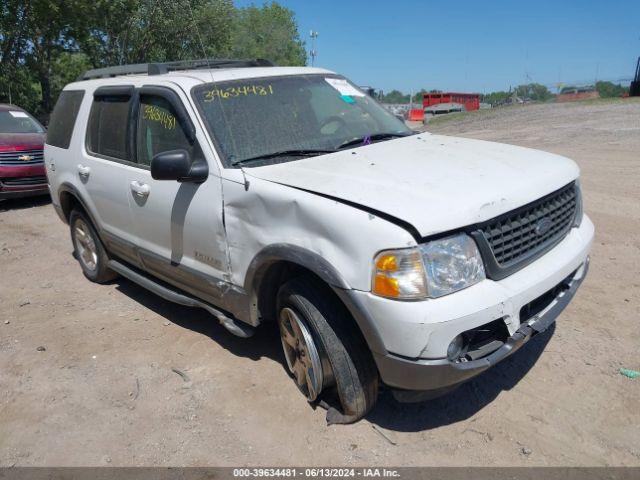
86 245
301 354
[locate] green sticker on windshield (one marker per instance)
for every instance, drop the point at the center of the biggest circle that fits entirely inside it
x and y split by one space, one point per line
347 98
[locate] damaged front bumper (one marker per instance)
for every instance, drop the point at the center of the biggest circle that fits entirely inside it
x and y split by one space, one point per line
442 374
416 335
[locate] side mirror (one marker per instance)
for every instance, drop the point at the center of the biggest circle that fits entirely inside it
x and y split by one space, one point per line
177 165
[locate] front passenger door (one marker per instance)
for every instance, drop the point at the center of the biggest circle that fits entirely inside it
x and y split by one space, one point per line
181 237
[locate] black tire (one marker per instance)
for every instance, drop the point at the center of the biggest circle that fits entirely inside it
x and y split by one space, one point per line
100 273
337 338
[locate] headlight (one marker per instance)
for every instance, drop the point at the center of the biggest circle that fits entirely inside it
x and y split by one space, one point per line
433 269
579 209
451 264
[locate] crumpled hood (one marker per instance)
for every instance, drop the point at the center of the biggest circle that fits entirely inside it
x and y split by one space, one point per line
436 183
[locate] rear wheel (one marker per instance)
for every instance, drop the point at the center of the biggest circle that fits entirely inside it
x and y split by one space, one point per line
324 351
88 249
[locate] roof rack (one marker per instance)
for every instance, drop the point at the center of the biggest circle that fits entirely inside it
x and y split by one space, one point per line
166 67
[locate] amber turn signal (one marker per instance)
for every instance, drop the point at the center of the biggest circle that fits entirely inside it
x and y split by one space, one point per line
399 274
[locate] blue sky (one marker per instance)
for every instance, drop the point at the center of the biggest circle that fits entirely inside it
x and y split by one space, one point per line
471 45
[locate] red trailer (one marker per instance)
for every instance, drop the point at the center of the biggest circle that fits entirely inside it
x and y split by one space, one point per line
471 101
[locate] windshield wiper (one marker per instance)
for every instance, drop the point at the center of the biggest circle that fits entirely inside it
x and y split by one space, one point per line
360 141
309 152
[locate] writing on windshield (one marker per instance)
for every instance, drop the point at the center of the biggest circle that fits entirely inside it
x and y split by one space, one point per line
302 113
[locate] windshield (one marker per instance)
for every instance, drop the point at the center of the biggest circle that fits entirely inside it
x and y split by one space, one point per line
16 121
284 118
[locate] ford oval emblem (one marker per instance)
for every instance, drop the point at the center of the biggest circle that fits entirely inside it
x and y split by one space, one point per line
543 226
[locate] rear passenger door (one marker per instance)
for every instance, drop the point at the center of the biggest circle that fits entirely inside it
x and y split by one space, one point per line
179 225
106 165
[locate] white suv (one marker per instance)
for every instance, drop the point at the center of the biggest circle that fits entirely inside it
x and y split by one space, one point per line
287 195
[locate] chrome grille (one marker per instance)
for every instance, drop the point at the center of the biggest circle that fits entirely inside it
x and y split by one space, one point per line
14 158
516 236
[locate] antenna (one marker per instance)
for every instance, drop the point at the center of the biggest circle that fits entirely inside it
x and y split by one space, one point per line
313 53
213 82
204 51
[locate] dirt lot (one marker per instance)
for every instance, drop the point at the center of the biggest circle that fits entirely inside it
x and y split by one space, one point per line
103 391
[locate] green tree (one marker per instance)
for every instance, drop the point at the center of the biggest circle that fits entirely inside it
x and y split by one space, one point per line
44 44
139 31
417 96
534 91
610 89
34 34
67 67
495 98
19 86
268 32
395 96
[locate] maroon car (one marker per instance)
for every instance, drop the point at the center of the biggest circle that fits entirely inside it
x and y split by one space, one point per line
22 170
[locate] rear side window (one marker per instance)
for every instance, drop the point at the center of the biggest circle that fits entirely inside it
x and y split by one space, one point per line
107 133
63 118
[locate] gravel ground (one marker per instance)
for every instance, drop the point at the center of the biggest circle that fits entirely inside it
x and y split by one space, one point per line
88 372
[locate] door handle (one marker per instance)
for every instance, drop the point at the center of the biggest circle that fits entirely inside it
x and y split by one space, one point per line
140 189
83 171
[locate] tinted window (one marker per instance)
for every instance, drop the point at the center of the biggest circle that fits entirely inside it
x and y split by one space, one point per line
107 134
158 129
17 121
63 118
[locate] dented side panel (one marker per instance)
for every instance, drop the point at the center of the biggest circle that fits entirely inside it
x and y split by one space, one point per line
259 213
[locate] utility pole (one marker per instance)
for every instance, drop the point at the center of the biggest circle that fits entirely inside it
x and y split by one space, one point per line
313 53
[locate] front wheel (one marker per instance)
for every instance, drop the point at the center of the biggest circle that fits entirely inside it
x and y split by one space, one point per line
324 350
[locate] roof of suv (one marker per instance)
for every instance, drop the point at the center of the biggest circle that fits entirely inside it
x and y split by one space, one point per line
203 75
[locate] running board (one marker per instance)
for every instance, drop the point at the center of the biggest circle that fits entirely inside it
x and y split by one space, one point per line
234 326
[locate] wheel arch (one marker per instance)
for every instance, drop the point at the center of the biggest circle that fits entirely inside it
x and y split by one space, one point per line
70 198
276 264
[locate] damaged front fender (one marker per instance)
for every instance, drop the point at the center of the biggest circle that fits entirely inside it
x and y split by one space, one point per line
343 239
267 222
